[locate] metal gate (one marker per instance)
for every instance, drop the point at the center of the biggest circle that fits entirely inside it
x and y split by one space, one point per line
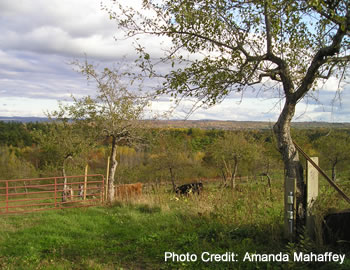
40 194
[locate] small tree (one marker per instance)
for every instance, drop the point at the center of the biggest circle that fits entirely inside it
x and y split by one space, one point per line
230 151
13 166
61 142
335 149
268 157
115 113
171 153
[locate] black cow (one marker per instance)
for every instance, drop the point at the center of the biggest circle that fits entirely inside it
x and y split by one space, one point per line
336 227
186 189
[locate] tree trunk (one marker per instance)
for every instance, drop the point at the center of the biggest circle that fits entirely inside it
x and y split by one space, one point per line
292 165
65 187
269 184
268 176
112 169
65 183
172 178
268 181
233 176
25 186
334 171
224 184
65 178
64 174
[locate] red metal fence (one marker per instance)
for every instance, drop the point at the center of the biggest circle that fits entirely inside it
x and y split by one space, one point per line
40 194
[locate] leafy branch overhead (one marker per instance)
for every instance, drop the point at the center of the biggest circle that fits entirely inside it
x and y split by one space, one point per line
235 44
115 109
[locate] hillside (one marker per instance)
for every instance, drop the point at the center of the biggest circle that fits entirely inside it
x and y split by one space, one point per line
206 124
234 125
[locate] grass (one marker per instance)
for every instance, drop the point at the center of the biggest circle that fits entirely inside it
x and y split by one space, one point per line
135 235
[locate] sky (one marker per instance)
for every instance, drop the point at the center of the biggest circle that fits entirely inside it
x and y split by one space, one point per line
39 39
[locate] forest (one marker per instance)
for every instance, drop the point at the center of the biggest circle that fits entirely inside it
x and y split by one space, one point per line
163 154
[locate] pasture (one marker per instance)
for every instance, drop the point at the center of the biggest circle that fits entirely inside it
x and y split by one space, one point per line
135 233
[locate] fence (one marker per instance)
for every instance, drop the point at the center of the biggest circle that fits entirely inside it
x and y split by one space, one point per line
40 194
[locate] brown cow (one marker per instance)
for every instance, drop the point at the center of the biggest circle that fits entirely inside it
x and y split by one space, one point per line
127 191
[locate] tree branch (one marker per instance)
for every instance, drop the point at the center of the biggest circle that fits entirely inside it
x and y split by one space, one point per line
320 58
268 30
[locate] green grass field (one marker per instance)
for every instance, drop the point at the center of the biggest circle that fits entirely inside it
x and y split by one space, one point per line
136 234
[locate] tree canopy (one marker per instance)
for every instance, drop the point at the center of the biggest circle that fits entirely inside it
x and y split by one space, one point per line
243 43
114 113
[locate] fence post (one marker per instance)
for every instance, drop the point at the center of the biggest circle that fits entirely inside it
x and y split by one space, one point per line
7 196
85 181
289 208
102 189
312 193
107 178
55 192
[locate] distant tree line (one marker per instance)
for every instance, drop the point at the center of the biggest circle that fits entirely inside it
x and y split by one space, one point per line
174 155
18 134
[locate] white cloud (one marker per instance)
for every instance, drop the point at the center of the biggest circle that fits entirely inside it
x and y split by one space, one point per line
39 37
77 17
13 62
54 40
69 28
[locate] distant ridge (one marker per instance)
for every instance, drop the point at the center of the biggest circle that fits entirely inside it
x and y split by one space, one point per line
206 123
240 125
23 119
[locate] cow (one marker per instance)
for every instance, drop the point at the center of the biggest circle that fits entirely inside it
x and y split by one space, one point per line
128 190
336 227
186 189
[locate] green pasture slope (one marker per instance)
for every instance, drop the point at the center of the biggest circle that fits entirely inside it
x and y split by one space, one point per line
136 235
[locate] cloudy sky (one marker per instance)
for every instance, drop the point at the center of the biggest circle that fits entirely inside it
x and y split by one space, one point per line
39 38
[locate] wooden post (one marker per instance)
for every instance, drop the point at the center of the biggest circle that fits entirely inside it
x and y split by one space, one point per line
289 208
85 180
312 193
107 176
7 196
55 192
